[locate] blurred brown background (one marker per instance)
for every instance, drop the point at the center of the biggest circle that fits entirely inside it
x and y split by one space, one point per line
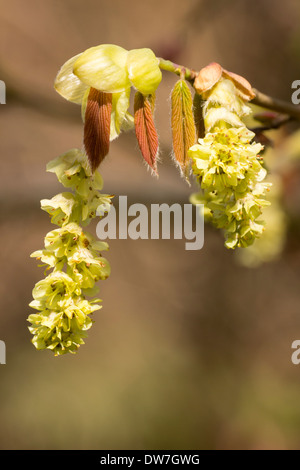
191 350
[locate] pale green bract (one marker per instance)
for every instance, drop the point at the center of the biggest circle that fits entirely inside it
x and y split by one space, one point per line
74 257
228 165
111 69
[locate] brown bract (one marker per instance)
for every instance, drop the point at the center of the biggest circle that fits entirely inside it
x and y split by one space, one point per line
212 73
208 77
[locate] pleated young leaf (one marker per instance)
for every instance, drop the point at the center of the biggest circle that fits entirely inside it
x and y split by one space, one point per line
182 122
97 126
145 130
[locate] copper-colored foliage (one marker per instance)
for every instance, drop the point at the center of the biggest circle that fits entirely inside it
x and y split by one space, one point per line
145 130
183 126
97 126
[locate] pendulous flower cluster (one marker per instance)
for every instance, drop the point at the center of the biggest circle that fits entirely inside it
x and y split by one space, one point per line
226 161
228 165
63 316
100 80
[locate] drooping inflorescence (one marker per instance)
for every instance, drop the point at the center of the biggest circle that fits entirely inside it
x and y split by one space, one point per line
73 256
227 161
210 141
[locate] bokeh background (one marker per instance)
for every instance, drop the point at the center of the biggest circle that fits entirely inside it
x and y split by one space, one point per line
191 350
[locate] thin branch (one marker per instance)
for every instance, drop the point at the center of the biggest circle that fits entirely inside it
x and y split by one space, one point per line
275 104
275 123
261 99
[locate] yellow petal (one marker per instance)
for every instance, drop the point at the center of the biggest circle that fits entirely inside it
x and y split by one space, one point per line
215 115
84 103
104 68
143 70
120 105
128 122
69 85
225 94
